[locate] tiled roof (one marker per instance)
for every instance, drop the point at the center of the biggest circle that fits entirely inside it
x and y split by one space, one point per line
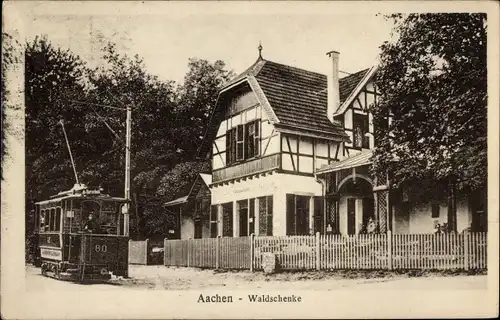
299 97
360 159
349 83
205 177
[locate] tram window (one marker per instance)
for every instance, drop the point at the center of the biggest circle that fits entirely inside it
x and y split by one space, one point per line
48 219
52 219
58 220
42 220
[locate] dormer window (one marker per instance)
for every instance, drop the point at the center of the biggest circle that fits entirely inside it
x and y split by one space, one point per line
242 142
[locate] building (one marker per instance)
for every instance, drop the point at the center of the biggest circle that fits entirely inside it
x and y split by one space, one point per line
290 152
189 216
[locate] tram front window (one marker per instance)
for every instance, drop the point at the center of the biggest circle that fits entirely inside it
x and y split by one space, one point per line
97 218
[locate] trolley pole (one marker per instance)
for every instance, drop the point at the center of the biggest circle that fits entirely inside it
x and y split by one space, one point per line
127 171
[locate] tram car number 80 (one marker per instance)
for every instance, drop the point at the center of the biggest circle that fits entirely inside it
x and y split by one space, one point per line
81 236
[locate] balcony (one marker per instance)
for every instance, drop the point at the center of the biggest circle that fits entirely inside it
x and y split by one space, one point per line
247 168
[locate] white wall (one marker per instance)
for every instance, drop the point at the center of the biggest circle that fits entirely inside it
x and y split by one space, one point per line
277 185
421 220
187 227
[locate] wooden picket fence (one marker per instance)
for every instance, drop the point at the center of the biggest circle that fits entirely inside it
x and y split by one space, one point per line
328 252
227 253
138 252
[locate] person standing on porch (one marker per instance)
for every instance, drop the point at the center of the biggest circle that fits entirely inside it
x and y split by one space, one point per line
371 226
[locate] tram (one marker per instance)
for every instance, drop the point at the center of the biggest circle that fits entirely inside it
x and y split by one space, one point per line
68 249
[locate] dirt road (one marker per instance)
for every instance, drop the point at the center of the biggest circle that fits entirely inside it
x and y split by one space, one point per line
164 278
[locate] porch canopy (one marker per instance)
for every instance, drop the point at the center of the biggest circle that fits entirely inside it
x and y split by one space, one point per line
177 201
358 160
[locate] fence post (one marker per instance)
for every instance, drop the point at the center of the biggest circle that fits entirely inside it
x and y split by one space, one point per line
252 237
217 253
129 246
165 251
318 251
389 249
466 250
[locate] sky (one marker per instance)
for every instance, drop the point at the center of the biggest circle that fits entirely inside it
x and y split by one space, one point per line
166 37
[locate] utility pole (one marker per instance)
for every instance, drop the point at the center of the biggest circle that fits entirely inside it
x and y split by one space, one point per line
126 213
69 149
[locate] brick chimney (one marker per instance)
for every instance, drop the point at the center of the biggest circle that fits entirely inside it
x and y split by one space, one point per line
333 85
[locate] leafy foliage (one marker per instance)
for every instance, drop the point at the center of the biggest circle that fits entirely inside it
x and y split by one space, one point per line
433 82
167 124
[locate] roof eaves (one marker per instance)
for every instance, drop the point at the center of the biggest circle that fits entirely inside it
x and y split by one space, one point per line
261 97
340 136
177 201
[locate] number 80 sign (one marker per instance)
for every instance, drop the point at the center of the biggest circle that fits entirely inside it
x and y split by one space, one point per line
100 248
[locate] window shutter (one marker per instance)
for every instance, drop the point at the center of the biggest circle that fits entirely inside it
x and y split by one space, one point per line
213 222
249 138
240 142
262 216
228 147
251 216
270 215
227 224
290 214
318 214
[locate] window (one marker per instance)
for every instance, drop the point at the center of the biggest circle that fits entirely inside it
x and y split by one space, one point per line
214 232
360 128
243 142
43 219
58 220
243 216
252 139
435 210
297 214
240 142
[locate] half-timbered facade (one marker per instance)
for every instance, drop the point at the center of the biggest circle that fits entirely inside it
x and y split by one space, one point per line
353 196
290 152
269 134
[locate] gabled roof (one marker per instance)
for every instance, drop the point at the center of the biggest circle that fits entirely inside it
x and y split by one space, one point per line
201 178
297 97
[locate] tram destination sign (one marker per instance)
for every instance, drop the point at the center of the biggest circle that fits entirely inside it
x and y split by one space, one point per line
54 254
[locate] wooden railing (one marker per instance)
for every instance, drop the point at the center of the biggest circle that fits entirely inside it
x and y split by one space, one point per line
247 168
326 252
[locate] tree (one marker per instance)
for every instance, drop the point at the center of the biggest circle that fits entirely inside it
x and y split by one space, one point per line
433 83
53 78
197 97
